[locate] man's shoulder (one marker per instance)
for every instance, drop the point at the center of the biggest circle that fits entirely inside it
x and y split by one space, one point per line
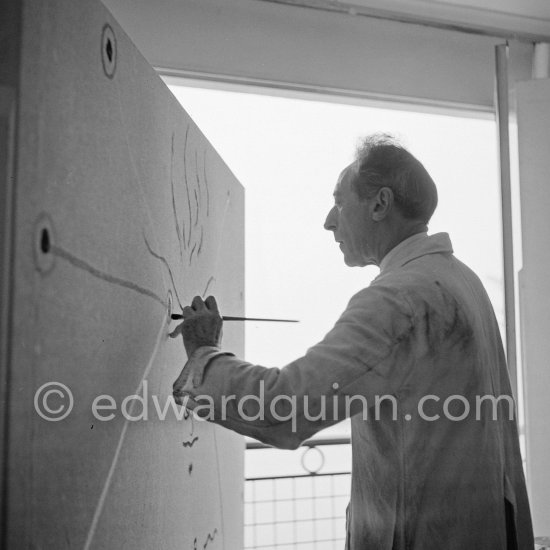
388 293
426 280
419 273
437 282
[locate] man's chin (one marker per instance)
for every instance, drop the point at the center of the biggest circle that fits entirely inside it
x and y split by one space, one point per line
354 262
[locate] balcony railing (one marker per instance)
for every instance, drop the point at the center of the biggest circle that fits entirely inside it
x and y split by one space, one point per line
304 510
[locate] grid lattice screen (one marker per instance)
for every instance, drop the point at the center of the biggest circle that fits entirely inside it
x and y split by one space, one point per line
305 512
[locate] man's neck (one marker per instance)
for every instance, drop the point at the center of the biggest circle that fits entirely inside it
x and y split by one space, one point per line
402 233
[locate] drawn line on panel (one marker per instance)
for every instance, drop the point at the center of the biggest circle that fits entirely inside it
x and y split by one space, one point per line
200 241
187 186
81 264
210 538
206 183
210 281
165 262
214 428
174 204
133 164
192 252
108 480
198 207
191 442
197 177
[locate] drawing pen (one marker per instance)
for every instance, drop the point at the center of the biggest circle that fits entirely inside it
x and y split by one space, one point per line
179 316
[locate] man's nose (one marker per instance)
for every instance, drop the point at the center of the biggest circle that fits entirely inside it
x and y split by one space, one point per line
330 222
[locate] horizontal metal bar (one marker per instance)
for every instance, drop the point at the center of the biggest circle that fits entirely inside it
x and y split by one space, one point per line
294 543
296 476
292 521
318 497
251 445
254 85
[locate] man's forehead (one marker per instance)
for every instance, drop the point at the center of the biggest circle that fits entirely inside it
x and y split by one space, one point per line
345 178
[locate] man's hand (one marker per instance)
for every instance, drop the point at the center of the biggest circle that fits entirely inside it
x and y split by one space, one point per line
202 325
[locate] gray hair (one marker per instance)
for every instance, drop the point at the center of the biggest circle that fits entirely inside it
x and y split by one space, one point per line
383 162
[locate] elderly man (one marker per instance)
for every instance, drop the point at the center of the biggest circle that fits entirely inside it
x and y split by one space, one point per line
416 360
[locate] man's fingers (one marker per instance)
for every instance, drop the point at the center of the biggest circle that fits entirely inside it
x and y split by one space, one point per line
187 312
177 331
178 398
211 304
180 380
197 304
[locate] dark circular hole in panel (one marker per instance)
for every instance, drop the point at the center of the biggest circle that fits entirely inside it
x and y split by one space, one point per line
45 240
109 49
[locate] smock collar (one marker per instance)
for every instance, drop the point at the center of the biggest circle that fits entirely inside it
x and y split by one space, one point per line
414 247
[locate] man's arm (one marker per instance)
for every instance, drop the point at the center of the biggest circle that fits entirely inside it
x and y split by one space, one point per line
365 354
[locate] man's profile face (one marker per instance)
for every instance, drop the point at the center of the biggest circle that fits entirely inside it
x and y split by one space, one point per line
350 221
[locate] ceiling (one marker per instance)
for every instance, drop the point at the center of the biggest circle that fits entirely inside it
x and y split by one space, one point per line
529 19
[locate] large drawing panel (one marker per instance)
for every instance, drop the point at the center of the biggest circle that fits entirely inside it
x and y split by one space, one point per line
123 213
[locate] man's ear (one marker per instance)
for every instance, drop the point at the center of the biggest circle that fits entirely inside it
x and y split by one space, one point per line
383 203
